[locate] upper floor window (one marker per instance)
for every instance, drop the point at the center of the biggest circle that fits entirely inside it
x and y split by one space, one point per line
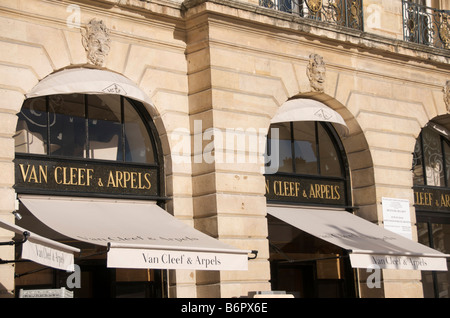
341 12
103 127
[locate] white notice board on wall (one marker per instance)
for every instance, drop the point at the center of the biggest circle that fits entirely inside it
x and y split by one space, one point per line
396 216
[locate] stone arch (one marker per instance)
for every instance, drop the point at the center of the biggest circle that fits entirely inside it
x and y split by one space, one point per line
358 155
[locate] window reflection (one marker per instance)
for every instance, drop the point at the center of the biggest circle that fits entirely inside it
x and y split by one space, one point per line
431 161
139 147
284 146
103 127
437 236
67 125
31 132
330 164
305 148
310 144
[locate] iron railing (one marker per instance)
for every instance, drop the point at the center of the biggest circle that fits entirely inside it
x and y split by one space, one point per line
425 25
347 13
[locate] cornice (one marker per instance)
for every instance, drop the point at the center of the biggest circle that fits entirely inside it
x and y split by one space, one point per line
324 32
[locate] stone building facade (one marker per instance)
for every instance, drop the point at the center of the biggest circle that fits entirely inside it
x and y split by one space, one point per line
216 65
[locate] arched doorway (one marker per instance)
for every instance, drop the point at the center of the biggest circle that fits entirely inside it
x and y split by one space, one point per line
60 140
311 172
74 124
431 171
89 173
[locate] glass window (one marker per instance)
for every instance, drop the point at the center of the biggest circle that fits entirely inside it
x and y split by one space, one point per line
67 125
310 144
138 146
437 236
305 148
418 176
103 127
31 132
330 164
431 161
284 146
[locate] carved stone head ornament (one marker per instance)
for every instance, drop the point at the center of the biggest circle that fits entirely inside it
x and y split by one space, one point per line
96 41
316 72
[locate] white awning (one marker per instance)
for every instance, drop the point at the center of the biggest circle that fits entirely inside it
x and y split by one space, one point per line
88 81
43 250
369 245
139 234
301 109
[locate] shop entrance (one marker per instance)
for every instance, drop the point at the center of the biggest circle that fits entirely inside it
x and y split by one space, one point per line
61 141
306 266
92 278
97 281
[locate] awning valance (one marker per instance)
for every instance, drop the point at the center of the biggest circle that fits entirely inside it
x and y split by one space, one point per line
43 250
369 245
139 234
88 81
301 109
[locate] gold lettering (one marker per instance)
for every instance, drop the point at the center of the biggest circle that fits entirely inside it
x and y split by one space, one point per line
297 188
424 198
24 173
275 187
56 175
81 177
336 191
127 178
42 173
267 187
133 180
286 188
147 178
73 176
89 176
445 200
111 180
119 177
31 175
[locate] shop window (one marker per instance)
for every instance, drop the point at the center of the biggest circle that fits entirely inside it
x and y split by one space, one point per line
431 159
306 148
100 127
312 171
437 236
87 145
431 167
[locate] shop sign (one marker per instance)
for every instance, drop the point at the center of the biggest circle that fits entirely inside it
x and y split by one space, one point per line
174 259
54 176
398 262
306 191
46 293
432 199
47 256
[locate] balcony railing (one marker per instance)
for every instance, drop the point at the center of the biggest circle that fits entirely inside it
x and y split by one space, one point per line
425 25
347 13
